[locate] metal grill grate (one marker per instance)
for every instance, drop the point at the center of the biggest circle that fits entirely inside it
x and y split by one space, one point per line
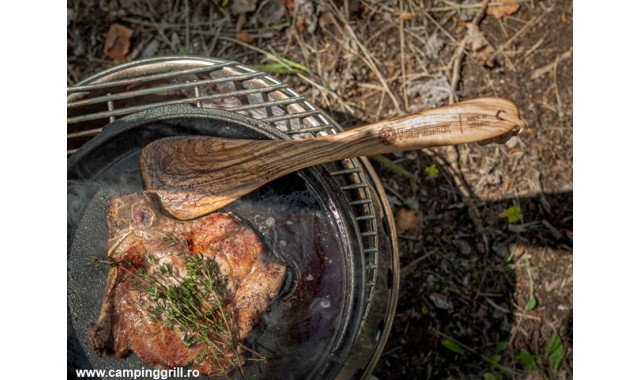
219 84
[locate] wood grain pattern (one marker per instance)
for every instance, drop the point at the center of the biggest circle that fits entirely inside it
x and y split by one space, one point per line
196 175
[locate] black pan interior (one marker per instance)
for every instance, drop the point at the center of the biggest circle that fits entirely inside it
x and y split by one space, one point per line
303 219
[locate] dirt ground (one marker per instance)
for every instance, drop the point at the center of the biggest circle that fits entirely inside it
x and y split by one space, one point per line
487 245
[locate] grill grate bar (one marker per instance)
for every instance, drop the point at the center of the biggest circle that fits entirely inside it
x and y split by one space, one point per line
354 186
168 74
87 133
360 202
346 171
365 217
155 90
308 130
128 110
300 115
267 104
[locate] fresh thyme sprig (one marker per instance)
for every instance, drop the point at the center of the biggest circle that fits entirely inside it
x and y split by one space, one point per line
196 305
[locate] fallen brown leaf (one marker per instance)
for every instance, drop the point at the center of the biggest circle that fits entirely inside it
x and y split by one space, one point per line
507 183
245 37
406 219
508 8
325 19
463 246
479 46
289 4
239 7
118 41
406 16
306 19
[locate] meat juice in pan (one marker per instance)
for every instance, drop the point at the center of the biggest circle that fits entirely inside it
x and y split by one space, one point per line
170 282
296 231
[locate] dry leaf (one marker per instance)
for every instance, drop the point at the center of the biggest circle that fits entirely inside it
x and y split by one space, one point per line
239 7
245 37
406 219
325 19
289 4
463 246
479 46
432 93
118 41
104 6
434 45
507 183
306 19
517 250
441 301
406 16
506 9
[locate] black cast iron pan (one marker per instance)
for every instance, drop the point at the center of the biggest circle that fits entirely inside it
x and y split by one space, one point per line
304 221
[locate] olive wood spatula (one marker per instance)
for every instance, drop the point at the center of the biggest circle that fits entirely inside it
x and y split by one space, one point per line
195 175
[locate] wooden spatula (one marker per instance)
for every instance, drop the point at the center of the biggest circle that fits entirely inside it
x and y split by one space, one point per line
196 175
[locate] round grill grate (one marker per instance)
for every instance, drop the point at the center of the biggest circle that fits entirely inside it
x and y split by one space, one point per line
215 83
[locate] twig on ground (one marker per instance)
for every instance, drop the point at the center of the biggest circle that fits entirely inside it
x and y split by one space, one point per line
557 90
303 46
187 27
458 7
151 9
537 73
458 176
159 26
462 188
72 77
504 54
342 102
531 50
496 306
455 72
378 34
214 40
393 191
440 28
402 59
526 316
406 268
529 24
380 103
368 59
503 29
269 55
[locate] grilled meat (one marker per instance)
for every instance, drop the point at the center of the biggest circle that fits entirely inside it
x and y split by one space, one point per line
181 293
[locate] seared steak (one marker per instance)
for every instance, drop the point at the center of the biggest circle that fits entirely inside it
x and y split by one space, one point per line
181 293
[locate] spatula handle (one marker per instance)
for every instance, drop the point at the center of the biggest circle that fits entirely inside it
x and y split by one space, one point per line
474 120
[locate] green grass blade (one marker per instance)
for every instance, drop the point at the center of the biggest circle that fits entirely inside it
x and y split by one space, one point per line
502 346
278 68
555 352
387 163
527 360
452 346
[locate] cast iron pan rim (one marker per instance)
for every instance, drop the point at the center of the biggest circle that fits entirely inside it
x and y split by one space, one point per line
354 300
